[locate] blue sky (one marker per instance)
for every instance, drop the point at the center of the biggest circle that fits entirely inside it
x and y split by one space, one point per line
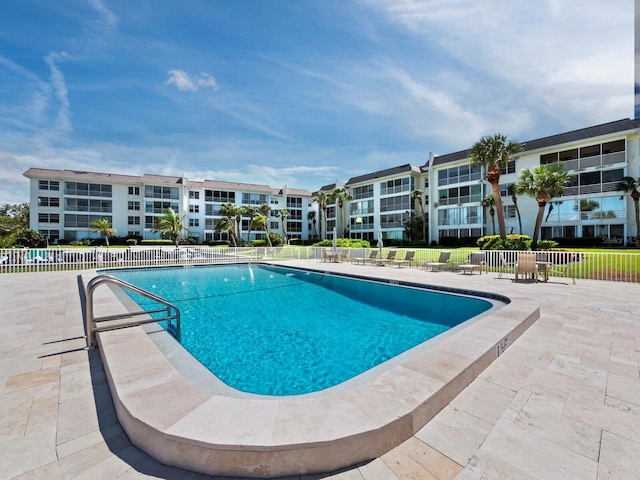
296 93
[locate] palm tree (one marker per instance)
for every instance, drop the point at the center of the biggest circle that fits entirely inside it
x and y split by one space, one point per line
229 210
283 213
265 211
630 185
494 153
321 199
490 202
103 227
340 195
514 198
249 211
416 196
226 225
542 183
262 221
311 216
170 224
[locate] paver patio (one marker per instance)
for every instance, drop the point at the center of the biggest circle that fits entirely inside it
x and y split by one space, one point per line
562 402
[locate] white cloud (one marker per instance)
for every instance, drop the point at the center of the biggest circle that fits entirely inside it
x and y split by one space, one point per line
207 81
540 57
184 82
63 118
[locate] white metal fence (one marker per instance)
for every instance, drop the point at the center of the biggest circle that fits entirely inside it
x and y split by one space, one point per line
612 266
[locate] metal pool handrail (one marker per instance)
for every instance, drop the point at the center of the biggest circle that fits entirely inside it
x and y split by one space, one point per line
172 312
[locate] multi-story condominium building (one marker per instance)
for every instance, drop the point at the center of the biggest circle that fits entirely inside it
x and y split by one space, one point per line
451 191
447 191
65 202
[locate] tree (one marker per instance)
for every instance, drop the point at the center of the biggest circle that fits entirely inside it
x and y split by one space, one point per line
490 202
283 213
230 211
416 196
261 221
249 211
340 195
14 217
226 225
170 224
265 212
103 227
494 153
311 217
630 185
321 199
514 198
542 183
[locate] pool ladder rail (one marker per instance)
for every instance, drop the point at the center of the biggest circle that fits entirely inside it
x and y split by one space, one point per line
172 314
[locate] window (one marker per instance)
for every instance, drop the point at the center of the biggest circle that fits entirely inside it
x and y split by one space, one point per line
159 207
134 205
365 191
72 220
509 168
134 190
152 191
87 205
273 226
50 234
87 189
48 201
361 207
220 196
392 220
461 174
48 218
396 186
194 222
211 210
48 185
209 224
395 203
194 208
294 202
294 227
149 222
194 195
254 198
362 223
133 220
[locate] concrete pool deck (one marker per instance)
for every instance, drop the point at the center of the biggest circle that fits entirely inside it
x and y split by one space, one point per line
562 402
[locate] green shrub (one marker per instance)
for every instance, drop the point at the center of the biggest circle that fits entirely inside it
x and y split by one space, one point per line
132 241
512 242
216 243
276 238
344 243
546 244
156 241
259 243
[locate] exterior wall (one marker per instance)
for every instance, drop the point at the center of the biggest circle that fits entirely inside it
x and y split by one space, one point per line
133 210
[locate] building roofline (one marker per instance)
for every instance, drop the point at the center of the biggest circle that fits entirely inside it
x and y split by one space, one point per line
617 126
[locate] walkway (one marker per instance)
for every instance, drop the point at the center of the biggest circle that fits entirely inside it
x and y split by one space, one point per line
562 402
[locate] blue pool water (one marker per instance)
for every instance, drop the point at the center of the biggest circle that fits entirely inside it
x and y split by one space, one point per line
276 331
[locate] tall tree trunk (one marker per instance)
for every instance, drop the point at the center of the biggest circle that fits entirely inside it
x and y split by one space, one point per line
515 204
636 202
536 229
499 210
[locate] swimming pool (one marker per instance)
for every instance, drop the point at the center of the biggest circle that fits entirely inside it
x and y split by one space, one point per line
277 331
